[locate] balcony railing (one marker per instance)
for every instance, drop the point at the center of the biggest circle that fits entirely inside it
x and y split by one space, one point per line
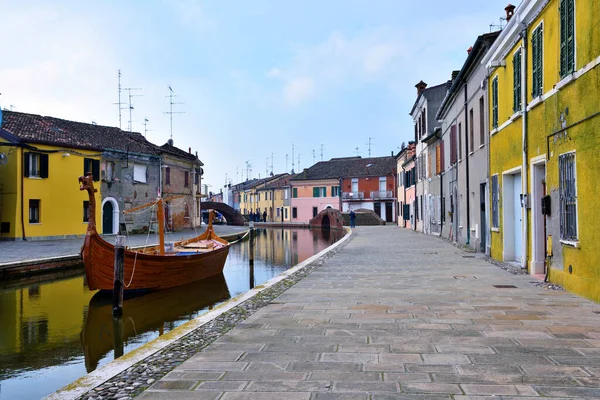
382 194
353 195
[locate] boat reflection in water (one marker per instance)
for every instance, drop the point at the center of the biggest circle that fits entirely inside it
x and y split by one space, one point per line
145 313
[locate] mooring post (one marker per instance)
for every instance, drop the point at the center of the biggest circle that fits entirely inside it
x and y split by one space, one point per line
251 244
118 278
118 345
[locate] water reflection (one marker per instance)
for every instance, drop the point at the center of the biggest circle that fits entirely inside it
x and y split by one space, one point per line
102 333
54 331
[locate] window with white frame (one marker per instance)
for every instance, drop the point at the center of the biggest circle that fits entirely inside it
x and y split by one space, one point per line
139 173
537 61
567 196
495 202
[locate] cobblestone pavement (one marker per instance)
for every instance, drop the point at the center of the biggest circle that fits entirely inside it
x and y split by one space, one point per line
400 315
16 251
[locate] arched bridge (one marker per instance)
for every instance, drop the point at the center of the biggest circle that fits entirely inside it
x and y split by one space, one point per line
233 217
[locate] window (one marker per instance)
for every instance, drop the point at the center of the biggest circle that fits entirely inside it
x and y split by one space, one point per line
567 37
167 176
495 202
278 212
286 213
186 178
459 141
34 211
481 122
197 176
86 211
537 61
285 194
354 184
453 152
382 183
495 102
140 172
568 196
92 166
35 165
295 193
335 191
294 212
424 122
315 211
400 208
471 131
517 81
108 171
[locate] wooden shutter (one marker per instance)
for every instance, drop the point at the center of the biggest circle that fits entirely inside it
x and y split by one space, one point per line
517 81
43 165
539 60
438 159
26 158
442 158
570 36
563 37
315 192
429 165
495 102
95 169
168 176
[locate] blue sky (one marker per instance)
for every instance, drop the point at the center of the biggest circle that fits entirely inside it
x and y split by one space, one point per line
254 77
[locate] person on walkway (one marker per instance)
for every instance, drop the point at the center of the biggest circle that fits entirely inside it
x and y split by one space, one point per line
352 219
251 216
265 216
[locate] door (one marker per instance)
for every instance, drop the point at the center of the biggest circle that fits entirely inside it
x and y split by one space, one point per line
517 216
388 212
378 209
482 218
107 218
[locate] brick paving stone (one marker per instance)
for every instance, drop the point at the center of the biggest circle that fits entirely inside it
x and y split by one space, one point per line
385 319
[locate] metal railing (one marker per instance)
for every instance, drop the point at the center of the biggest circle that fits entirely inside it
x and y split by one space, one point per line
353 195
382 194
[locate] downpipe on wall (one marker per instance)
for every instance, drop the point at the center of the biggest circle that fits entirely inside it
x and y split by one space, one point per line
524 174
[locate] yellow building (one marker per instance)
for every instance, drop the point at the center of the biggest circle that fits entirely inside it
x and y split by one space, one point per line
543 84
258 197
272 198
39 193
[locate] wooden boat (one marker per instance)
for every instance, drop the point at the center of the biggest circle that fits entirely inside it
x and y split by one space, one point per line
150 312
152 267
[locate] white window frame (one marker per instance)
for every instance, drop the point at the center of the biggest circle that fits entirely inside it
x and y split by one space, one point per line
137 172
568 240
495 212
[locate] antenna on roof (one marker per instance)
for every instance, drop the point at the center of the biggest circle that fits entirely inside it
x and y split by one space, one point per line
171 112
237 173
267 167
357 151
369 144
131 105
298 162
271 164
321 151
314 156
292 157
248 169
119 103
146 121
286 163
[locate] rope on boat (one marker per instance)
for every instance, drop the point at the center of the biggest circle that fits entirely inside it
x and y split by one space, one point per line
240 239
132 272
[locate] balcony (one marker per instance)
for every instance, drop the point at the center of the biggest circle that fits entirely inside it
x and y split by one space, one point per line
350 196
382 194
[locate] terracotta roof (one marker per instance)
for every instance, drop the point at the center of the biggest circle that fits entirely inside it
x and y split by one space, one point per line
349 167
170 148
32 128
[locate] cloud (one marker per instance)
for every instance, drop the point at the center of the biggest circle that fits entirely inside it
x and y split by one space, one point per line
298 90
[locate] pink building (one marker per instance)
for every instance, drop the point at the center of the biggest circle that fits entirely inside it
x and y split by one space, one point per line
311 196
410 210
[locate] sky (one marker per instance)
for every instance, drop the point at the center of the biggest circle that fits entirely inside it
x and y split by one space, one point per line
251 78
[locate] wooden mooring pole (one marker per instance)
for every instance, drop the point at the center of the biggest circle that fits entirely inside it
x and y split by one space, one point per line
251 254
118 277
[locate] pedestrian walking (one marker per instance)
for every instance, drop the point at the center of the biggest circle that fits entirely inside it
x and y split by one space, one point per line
352 219
265 216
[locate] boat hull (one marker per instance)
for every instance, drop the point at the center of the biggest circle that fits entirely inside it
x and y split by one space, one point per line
147 271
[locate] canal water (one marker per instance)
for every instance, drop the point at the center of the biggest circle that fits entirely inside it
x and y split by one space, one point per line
53 329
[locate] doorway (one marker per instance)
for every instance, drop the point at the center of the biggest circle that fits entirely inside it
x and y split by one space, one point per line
538 231
512 216
107 215
482 217
377 207
389 213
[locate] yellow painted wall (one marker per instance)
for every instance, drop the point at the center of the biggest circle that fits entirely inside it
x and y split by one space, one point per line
61 201
576 102
10 188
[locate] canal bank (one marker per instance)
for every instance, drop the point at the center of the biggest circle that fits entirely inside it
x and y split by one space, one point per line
394 315
20 258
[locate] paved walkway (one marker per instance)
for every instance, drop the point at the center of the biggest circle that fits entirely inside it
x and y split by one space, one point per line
399 315
17 251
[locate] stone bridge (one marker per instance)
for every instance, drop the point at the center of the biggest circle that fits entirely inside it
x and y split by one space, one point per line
233 217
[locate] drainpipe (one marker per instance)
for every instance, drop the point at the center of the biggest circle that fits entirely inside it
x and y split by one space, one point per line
524 180
442 209
467 164
22 194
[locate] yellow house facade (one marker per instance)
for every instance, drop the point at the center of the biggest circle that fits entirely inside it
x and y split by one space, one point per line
39 189
543 82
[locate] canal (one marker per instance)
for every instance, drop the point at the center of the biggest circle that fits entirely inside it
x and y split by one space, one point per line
53 329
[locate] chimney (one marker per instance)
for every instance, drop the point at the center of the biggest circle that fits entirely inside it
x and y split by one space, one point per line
469 50
455 74
190 150
420 87
510 10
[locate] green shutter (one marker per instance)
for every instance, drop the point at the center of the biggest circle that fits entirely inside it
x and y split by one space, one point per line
517 81
43 165
570 36
540 60
315 192
295 192
26 158
563 37
537 61
495 102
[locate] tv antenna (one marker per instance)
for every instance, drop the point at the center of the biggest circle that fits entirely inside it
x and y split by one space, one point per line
119 103
237 173
271 164
131 105
171 112
286 163
313 156
357 151
321 152
498 26
292 157
369 144
146 121
267 167
298 162
248 170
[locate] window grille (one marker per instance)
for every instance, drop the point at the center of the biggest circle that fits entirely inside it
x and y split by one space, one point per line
568 196
495 202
